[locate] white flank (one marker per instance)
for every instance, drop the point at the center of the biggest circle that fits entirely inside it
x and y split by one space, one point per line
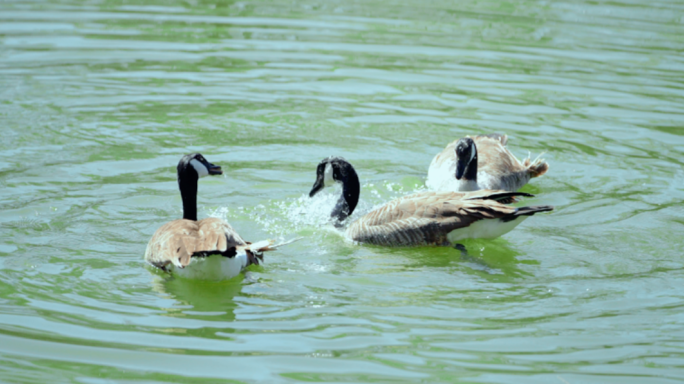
199 167
484 229
215 267
328 176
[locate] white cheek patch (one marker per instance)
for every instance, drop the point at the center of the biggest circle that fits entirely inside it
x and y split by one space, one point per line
328 176
473 151
199 167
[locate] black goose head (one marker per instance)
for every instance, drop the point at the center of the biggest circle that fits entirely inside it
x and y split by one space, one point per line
190 168
466 159
333 170
328 172
195 165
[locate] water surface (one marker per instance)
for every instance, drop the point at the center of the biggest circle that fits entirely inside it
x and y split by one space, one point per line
99 99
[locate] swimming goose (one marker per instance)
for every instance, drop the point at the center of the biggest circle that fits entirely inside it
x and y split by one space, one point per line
424 218
205 249
481 162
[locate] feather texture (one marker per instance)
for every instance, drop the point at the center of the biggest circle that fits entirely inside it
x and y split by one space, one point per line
433 218
176 242
497 167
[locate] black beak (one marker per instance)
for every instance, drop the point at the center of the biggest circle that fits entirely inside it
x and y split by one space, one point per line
214 169
318 185
460 168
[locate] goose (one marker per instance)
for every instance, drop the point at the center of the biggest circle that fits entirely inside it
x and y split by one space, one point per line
424 218
481 162
206 249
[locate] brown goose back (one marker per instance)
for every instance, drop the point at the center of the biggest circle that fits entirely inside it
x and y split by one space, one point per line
175 242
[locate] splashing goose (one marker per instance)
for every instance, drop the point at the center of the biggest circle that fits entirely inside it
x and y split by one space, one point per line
481 162
424 218
205 249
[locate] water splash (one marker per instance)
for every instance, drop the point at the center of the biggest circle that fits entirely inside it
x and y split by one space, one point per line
305 216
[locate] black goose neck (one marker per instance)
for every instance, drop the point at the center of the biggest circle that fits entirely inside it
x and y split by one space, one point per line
351 189
471 168
187 183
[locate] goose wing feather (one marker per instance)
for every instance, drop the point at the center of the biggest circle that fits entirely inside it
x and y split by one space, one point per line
176 241
503 139
425 218
494 158
217 235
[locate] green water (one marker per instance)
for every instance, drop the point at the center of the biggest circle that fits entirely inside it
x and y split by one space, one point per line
99 99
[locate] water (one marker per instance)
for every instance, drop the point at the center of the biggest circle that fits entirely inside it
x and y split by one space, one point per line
98 101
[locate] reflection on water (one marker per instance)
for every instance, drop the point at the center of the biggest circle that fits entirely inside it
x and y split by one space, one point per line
200 297
98 100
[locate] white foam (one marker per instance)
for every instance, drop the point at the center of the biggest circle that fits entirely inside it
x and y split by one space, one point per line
306 216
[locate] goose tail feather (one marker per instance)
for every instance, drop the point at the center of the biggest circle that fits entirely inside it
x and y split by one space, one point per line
255 251
536 167
528 211
503 197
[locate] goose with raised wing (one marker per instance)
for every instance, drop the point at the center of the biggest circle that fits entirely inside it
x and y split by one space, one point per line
481 162
201 249
424 218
